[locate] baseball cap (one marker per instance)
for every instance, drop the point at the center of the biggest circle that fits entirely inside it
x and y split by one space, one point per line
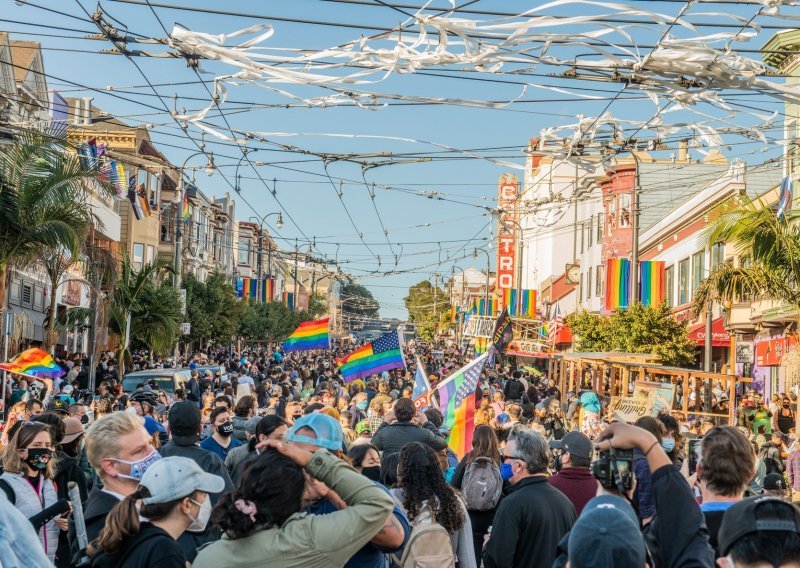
176 477
606 535
774 481
72 429
743 519
184 423
67 389
58 405
574 443
250 425
327 429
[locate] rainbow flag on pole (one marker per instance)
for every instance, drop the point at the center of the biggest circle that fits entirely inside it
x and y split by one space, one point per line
375 357
651 282
309 335
34 363
457 403
618 278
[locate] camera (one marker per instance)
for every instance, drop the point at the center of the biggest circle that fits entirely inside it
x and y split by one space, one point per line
614 469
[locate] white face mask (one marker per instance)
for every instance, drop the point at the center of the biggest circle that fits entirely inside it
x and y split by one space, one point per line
199 524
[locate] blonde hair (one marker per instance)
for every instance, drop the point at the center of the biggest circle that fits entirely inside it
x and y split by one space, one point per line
102 437
21 439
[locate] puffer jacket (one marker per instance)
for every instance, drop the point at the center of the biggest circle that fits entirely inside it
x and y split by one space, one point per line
29 502
238 428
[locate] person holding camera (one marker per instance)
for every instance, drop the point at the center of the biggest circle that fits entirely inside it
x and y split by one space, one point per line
604 535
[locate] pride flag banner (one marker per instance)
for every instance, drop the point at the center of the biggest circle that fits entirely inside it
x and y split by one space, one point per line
519 302
618 278
35 363
481 308
375 357
651 282
456 396
309 335
185 213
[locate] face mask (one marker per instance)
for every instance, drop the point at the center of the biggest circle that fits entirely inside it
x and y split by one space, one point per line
38 458
362 405
225 429
786 405
131 409
85 419
372 472
668 444
505 471
199 524
139 467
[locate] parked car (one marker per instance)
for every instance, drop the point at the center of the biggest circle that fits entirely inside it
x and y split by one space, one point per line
167 379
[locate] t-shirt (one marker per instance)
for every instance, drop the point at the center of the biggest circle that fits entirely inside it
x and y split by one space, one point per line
212 445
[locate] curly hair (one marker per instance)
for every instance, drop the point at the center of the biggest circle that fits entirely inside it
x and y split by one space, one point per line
423 483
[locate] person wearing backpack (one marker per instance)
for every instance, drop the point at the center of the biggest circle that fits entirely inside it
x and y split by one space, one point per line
441 533
514 389
770 453
478 478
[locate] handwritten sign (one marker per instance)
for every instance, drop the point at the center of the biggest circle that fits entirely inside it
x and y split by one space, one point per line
629 408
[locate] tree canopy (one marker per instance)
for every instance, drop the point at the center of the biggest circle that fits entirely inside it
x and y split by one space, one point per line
425 308
212 308
270 321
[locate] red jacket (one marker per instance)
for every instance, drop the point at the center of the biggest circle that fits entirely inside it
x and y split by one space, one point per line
577 483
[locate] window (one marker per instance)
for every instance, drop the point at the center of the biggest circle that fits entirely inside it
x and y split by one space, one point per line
600 227
717 255
589 233
599 281
583 235
698 270
579 291
27 295
683 281
138 256
589 283
669 284
612 215
151 254
625 210
244 251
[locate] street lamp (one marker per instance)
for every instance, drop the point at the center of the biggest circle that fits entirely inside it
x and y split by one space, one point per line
488 262
279 225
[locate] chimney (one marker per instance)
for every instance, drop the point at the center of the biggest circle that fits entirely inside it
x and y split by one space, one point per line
683 151
87 110
77 114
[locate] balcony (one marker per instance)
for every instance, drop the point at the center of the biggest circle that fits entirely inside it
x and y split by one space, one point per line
107 211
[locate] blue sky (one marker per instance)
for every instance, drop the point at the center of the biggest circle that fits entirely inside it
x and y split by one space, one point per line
431 230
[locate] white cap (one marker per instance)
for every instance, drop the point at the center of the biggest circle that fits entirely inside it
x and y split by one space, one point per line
176 477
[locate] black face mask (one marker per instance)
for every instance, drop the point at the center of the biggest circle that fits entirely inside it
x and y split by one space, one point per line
38 458
786 405
85 419
372 472
225 429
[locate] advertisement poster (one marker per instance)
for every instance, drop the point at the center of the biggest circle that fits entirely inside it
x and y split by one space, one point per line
658 395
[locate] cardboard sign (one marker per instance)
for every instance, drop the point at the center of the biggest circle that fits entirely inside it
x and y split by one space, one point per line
658 395
629 408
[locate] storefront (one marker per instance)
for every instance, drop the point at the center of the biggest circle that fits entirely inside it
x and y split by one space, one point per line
768 377
720 344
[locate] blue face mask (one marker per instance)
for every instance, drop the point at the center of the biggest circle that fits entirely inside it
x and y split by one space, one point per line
505 471
362 405
668 444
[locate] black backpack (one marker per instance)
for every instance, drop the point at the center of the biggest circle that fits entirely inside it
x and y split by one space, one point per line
515 390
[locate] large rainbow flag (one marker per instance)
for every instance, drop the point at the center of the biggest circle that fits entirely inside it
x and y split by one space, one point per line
651 282
519 302
618 279
481 308
35 363
375 357
309 335
456 396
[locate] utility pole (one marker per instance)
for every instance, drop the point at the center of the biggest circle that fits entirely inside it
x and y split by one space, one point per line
259 282
296 291
634 291
435 286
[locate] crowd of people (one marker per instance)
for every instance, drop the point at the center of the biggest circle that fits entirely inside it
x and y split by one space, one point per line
266 458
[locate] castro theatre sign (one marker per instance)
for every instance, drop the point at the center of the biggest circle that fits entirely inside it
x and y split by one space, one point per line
508 190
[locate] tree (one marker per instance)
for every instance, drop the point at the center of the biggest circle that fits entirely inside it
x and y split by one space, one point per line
769 257
270 321
317 305
212 308
42 201
358 302
155 321
425 306
638 329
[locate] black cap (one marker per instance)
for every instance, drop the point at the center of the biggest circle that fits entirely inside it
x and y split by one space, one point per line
574 443
742 519
774 481
58 405
184 423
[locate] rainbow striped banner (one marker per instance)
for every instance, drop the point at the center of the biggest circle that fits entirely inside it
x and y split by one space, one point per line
185 213
34 363
479 307
309 335
519 302
457 404
618 278
375 357
651 282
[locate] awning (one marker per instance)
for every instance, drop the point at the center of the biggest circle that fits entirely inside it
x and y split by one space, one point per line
719 335
564 335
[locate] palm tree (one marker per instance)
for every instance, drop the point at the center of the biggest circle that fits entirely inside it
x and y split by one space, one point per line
43 194
769 252
126 302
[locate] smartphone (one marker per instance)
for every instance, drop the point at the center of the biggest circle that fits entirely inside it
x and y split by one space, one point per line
693 454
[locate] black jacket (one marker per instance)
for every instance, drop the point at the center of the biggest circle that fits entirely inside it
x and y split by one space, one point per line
528 526
67 469
151 548
392 437
97 507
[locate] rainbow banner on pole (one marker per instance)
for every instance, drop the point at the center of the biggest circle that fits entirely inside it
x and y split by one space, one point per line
185 214
618 278
457 403
375 357
519 302
481 308
651 282
309 335
34 363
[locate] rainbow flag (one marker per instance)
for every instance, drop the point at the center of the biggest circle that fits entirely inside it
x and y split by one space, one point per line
480 307
185 213
35 363
309 335
618 283
527 303
375 357
651 282
457 403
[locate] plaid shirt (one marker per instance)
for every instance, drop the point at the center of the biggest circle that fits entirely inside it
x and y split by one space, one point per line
793 469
